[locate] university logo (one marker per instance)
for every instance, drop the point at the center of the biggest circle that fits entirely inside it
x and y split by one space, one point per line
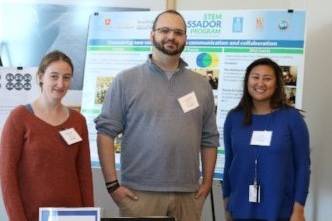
107 21
283 25
259 23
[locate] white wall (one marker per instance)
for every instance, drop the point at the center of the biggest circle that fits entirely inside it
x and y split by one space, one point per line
234 4
317 103
317 88
152 4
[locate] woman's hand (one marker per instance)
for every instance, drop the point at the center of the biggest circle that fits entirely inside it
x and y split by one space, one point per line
228 216
298 212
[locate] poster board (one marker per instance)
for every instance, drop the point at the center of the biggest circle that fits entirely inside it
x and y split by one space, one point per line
220 43
17 86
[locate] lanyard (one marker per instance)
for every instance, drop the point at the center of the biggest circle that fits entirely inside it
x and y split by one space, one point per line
256 175
269 119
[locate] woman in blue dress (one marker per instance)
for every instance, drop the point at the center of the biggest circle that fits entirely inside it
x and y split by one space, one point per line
267 165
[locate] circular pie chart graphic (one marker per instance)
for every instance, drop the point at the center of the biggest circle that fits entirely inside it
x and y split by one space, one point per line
205 60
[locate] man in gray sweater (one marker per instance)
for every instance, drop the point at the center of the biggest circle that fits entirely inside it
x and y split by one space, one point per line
166 115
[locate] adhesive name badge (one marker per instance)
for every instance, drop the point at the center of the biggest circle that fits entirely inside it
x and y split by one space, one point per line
261 138
254 193
188 102
70 136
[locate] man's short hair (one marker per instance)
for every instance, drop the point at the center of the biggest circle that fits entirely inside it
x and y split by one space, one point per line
170 11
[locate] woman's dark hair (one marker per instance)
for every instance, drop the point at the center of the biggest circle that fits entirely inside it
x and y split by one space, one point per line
278 98
50 58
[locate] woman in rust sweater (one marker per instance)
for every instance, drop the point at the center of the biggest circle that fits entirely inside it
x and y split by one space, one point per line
44 151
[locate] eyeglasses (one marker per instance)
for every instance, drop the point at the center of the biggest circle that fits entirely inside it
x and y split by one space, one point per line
166 31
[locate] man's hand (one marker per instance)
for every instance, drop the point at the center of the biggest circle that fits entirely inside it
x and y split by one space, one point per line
121 193
203 190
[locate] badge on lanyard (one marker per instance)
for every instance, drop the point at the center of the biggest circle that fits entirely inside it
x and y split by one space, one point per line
255 189
70 136
188 102
254 193
261 138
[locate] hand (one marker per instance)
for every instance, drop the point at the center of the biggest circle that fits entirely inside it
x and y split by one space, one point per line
297 217
298 212
203 190
228 216
121 193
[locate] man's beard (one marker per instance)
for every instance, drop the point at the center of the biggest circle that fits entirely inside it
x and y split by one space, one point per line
160 47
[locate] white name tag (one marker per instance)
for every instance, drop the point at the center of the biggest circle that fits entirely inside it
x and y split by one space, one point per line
70 136
254 193
188 102
261 138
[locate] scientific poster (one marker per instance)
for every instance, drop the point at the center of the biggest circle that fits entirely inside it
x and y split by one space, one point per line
220 46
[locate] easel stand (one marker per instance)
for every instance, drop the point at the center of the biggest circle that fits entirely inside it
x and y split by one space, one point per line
212 205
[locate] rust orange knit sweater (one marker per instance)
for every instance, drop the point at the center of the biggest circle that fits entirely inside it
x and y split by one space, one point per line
37 167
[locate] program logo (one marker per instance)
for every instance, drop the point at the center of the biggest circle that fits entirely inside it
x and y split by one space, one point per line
210 23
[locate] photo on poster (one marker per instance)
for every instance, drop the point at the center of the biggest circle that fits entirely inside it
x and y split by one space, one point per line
102 85
117 143
290 95
289 75
212 75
